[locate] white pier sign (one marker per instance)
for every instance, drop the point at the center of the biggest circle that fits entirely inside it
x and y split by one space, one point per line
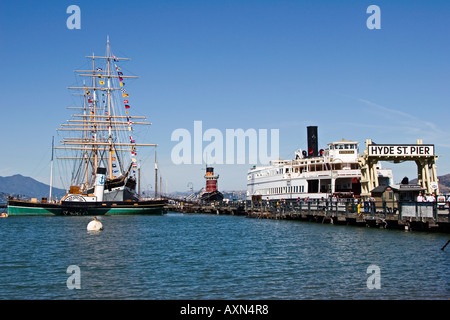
418 150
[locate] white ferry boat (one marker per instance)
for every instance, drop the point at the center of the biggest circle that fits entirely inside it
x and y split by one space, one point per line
313 174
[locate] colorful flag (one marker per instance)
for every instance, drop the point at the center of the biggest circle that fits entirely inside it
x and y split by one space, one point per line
127 106
125 101
125 95
121 84
101 82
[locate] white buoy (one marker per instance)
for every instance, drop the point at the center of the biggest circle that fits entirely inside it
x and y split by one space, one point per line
94 225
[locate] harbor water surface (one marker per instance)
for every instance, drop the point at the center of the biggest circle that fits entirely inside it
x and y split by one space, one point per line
195 256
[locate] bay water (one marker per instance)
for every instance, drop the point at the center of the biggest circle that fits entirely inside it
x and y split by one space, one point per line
200 256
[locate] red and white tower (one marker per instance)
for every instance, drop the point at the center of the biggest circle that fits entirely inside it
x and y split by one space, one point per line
211 193
211 180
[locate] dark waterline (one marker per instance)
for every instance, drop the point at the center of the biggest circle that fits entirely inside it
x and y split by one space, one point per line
179 256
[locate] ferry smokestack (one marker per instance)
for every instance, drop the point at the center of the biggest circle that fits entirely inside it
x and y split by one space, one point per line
100 183
312 141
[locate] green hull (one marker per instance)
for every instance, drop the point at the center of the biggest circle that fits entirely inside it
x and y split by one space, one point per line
32 211
25 208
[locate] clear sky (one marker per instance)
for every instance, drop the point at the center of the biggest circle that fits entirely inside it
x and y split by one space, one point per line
250 64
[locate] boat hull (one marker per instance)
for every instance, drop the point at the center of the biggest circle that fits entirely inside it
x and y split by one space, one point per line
27 208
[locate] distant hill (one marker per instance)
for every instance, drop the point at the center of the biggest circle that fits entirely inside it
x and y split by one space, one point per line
19 185
444 183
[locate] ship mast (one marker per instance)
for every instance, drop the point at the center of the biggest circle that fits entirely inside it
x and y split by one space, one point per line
51 174
100 125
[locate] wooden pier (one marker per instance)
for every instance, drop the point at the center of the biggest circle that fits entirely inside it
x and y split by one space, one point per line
210 208
411 217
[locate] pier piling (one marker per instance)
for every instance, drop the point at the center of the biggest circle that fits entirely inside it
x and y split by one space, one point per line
411 216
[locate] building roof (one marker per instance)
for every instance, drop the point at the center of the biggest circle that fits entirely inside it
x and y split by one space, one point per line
407 187
398 188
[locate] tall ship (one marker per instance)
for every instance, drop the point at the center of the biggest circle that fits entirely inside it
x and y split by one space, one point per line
314 174
99 142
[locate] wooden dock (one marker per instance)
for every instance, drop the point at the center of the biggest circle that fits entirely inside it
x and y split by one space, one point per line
220 209
342 213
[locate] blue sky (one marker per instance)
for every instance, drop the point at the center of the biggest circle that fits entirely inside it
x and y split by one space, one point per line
267 64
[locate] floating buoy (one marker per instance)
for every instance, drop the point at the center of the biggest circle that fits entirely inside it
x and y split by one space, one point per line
3 215
95 225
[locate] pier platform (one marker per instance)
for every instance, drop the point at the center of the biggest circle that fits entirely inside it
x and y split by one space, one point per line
409 216
210 208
